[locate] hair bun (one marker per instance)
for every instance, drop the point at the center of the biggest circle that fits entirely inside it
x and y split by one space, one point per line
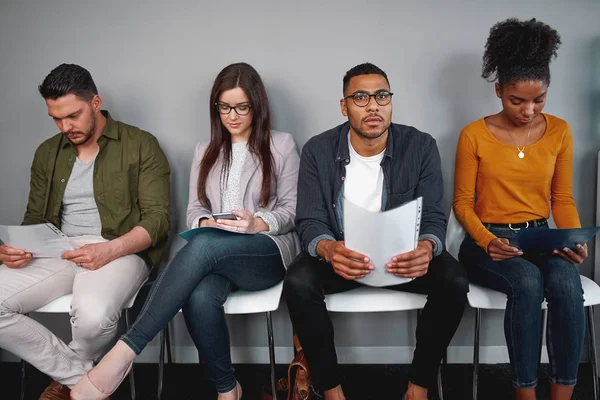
519 44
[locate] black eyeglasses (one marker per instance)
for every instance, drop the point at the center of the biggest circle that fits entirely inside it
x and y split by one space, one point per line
240 109
362 99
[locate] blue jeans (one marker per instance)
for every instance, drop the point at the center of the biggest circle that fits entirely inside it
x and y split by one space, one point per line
198 280
526 280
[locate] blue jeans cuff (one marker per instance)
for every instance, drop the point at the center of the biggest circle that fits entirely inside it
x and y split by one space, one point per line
526 385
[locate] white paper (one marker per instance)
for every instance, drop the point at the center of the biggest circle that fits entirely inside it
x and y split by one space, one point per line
382 235
41 240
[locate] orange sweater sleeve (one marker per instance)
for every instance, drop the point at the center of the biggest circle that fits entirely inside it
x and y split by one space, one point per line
466 168
563 206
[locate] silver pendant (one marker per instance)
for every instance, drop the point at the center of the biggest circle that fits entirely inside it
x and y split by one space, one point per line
521 154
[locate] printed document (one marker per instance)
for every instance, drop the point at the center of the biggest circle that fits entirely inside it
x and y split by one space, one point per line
382 235
42 240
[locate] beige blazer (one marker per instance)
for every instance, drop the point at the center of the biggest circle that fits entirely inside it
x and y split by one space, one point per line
282 203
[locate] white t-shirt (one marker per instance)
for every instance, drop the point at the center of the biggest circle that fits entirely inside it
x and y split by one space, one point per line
364 180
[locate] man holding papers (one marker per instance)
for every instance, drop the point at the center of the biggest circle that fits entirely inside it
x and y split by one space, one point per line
105 184
378 166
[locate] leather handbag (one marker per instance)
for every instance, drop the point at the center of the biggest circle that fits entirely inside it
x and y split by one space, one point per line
298 385
300 388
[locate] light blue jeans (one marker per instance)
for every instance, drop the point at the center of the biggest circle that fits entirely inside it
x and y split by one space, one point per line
526 281
198 280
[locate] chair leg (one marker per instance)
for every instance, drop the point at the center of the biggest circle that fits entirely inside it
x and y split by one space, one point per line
439 383
542 328
476 351
131 373
23 371
592 348
271 354
161 363
169 351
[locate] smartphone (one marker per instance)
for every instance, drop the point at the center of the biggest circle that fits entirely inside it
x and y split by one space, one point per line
225 215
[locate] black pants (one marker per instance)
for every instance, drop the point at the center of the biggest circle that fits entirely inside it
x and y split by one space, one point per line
307 282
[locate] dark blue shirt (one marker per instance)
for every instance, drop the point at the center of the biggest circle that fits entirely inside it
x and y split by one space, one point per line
411 168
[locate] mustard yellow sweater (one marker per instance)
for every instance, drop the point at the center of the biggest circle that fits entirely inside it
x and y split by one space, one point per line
493 185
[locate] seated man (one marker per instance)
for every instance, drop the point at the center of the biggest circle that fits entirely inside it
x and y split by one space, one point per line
377 165
105 184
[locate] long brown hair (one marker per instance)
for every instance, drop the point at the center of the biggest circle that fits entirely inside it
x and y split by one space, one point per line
244 76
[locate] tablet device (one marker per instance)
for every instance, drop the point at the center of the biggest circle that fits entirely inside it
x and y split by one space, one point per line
544 238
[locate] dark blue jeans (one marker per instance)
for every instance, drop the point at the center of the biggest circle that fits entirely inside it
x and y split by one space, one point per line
527 280
198 280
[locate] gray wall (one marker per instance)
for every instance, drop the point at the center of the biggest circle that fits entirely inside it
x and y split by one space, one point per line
154 63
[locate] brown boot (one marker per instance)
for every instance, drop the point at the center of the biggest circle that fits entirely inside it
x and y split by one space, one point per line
57 391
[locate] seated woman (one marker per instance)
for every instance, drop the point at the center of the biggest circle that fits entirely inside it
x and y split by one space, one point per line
511 167
245 168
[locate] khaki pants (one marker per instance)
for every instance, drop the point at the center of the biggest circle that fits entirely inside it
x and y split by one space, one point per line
98 300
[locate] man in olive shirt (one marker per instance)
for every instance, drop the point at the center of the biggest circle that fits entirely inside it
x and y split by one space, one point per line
106 185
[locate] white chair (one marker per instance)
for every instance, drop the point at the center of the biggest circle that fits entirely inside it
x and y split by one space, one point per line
238 302
62 305
370 299
482 298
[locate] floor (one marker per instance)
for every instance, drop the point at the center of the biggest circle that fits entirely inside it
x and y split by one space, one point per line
361 382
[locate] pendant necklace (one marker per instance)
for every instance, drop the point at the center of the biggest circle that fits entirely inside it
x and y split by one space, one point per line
521 153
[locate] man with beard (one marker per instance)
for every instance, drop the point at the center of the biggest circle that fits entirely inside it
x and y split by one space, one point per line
105 184
377 165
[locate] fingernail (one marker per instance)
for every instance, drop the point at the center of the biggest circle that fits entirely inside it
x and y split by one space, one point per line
366 259
520 253
579 246
394 259
565 249
371 267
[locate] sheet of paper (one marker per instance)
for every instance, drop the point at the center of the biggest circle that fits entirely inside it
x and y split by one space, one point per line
41 240
543 238
382 235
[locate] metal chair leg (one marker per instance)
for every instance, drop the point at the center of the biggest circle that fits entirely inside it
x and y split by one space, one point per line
439 383
476 351
161 364
168 336
271 354
542 328
23 371
131 373
592 348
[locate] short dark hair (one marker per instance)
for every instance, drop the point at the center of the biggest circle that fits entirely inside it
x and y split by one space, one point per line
363 69
519 51
68 79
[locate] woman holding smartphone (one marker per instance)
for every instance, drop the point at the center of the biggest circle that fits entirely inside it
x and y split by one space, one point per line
245 169
512 168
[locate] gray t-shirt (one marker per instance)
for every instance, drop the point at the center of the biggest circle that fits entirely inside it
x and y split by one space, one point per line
79 213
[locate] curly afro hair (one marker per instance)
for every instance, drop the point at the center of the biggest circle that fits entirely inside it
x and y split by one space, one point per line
519 51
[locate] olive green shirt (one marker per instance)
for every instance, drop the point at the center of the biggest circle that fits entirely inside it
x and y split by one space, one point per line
131 184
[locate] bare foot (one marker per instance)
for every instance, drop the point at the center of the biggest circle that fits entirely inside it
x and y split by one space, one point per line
415 392
335 394
109 372
234 394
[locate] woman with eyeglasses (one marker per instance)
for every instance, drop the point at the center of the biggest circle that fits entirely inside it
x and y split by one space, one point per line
245 169
512 169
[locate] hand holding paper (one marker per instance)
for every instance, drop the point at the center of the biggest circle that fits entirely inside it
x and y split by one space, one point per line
14 258
348 264
380 236
412 264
